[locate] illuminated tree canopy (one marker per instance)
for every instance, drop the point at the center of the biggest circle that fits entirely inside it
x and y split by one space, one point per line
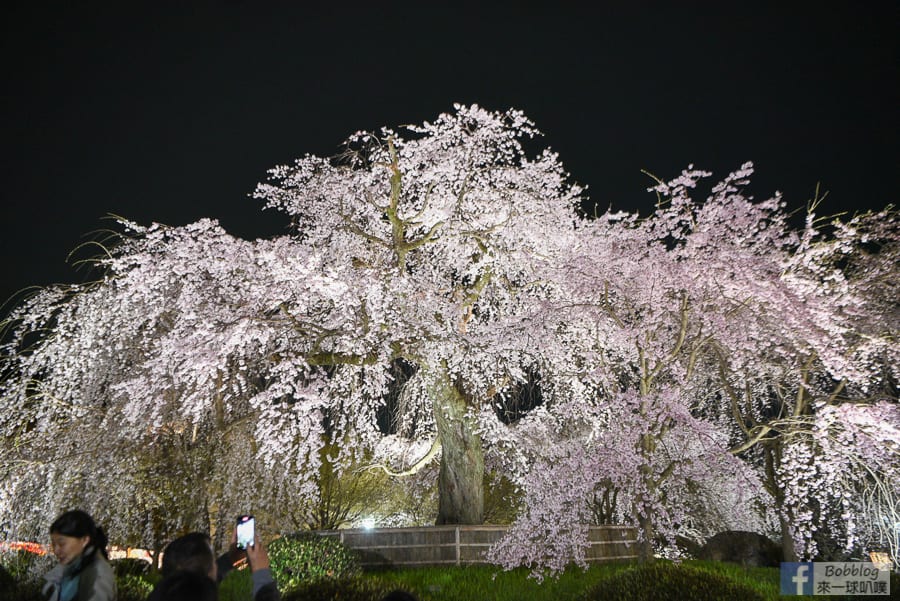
696 366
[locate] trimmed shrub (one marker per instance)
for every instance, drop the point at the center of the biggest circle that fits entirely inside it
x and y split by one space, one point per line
23 592
6 579
25 566
130 566
665 581
345 589
20 574
236 586
305 557
133 587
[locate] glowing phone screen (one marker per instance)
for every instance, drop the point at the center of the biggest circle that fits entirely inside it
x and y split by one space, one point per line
245 531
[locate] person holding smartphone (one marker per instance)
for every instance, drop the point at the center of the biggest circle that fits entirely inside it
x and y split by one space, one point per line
245 541
194 553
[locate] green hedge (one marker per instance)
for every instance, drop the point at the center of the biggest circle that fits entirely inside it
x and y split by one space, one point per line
303 558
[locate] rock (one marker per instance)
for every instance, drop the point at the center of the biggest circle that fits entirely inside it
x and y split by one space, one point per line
745 548
687 546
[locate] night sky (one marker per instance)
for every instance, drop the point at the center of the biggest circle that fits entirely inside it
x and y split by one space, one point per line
172 111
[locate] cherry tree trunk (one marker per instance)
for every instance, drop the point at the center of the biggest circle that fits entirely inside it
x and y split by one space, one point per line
645 546
772 457
788 549
644 507
461 479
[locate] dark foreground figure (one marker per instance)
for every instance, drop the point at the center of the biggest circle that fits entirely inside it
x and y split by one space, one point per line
191 571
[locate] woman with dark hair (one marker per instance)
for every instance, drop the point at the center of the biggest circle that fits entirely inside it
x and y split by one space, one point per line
83 573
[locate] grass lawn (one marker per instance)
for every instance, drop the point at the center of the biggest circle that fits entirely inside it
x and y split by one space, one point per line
486 583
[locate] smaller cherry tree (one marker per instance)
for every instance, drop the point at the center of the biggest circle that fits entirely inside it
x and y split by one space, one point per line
834 464
661 490
688 324
845 275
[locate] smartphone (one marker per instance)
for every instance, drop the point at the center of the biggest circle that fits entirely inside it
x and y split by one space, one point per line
246 531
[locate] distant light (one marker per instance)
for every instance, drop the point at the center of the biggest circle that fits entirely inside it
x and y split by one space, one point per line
368 523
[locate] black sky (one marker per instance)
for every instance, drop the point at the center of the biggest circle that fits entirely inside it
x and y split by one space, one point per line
172 111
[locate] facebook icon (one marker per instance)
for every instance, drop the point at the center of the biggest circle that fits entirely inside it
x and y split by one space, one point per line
797 578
